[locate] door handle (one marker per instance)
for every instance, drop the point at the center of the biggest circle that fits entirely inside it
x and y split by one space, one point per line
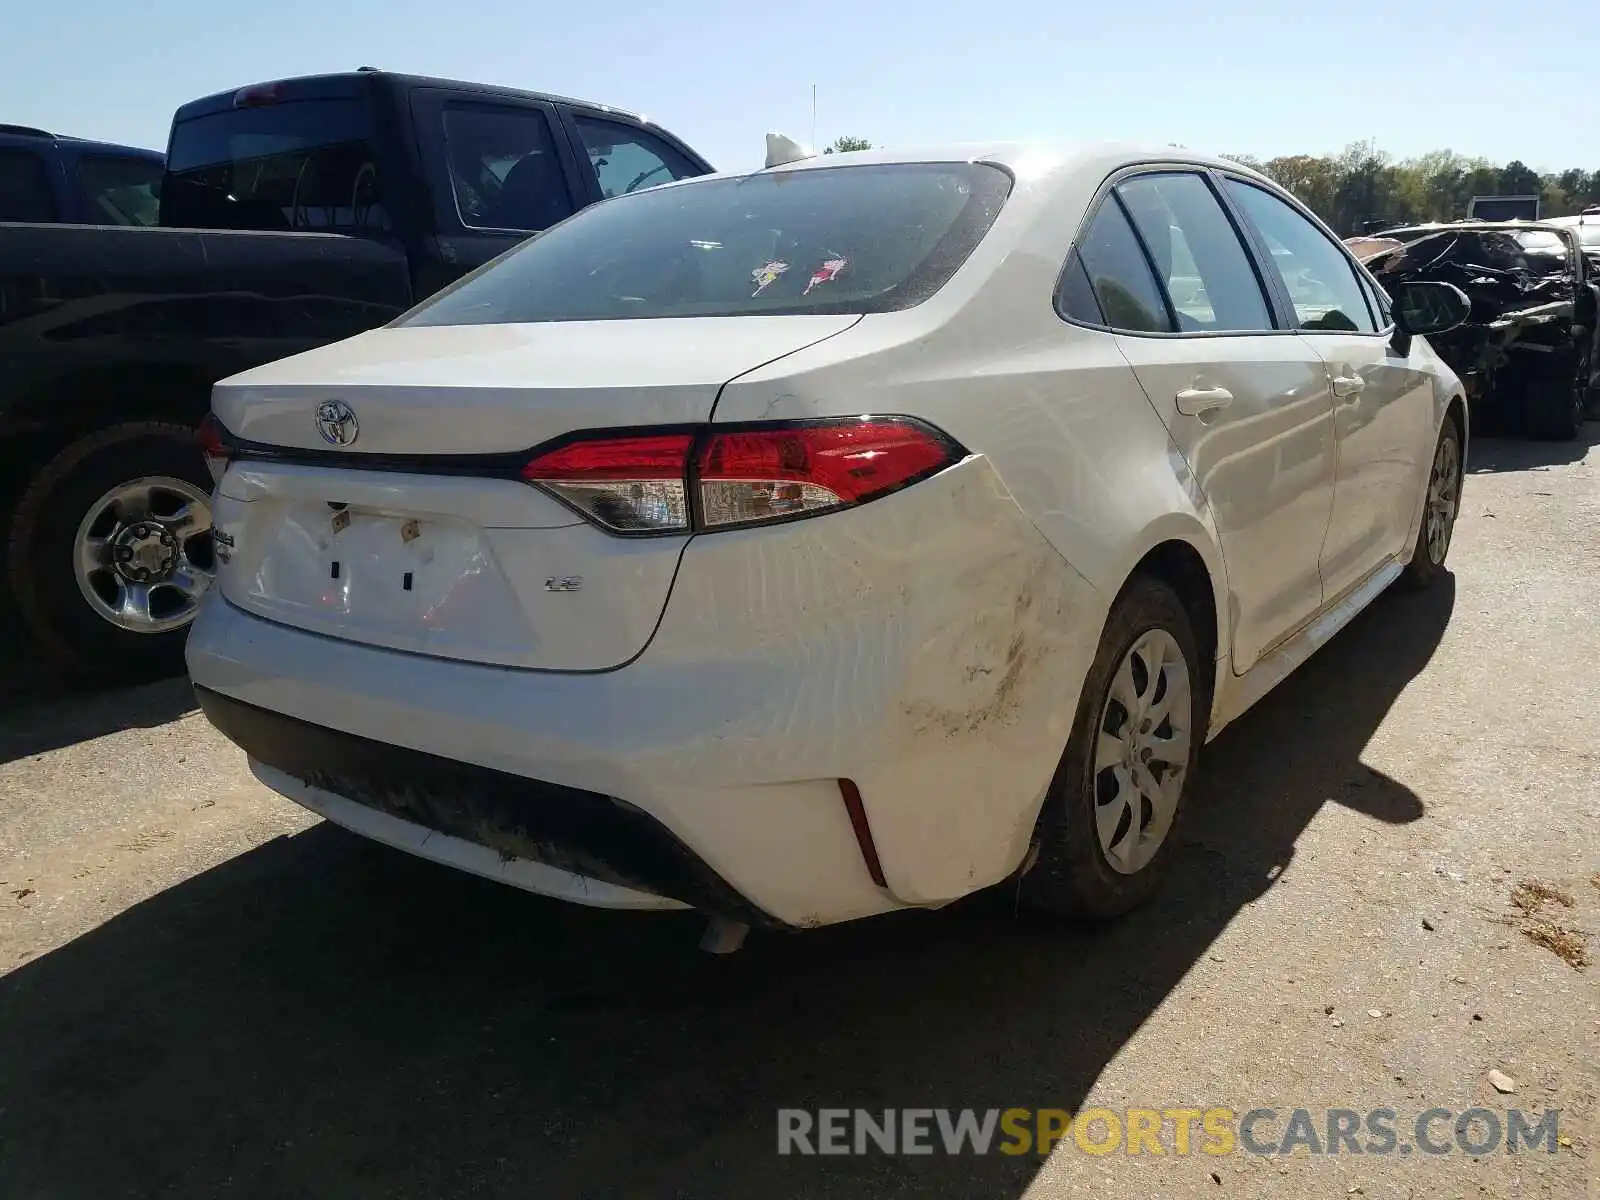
1348 385
1194 401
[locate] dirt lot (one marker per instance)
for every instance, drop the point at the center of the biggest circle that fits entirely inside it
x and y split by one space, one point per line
207 993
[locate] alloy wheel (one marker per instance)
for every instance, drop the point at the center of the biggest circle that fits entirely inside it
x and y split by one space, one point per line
143 555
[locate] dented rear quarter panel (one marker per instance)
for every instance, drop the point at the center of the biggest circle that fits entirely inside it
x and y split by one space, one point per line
1074 479
929 648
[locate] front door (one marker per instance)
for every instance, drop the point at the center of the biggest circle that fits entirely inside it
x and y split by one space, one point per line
1246 404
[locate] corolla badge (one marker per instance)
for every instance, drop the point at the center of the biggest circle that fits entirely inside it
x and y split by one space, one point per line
336 422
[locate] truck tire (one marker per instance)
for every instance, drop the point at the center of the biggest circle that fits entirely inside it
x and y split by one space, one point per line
1103 842
1555 406
1589 389
110 551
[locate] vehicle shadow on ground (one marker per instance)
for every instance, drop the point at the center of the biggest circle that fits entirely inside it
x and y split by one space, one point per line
324 1017
40 711
1492 452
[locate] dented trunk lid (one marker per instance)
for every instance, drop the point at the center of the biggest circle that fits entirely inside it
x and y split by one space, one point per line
370 499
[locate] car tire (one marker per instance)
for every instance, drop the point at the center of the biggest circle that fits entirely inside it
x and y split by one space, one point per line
86 502
1080 865
1441 504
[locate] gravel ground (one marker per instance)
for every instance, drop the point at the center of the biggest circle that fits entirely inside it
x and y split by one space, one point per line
208 993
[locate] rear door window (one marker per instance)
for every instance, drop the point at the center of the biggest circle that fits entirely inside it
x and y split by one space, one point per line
504 168
1197 254
121 191
301 164
625 158
25 193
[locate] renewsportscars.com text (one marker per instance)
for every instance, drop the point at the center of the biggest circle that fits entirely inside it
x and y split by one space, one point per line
1157 1131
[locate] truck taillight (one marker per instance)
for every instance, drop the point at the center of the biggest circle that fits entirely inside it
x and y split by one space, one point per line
741 476
213 446
258 94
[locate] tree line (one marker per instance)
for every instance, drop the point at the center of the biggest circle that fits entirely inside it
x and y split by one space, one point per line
1363 184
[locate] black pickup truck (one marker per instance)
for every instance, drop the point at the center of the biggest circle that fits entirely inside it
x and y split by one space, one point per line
292 214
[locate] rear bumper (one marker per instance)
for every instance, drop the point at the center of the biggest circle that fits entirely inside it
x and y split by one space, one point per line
562 772
582 838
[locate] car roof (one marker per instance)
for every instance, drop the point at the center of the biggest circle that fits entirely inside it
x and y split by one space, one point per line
1547 225
346 83
22 134
1031 160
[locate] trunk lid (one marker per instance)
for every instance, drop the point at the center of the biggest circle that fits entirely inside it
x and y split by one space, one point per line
387 530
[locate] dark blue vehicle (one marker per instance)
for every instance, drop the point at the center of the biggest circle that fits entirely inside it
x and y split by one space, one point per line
289 214
46 178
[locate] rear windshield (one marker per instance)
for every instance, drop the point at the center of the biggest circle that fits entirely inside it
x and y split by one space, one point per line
300 164
1538 239
821 240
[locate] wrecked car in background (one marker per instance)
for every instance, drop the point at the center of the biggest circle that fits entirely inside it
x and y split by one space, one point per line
1530 349
1587 226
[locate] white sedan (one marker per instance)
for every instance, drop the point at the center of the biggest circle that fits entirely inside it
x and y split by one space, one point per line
835 538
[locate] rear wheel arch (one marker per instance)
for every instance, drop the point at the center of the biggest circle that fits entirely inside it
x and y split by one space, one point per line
1456 411
1177 563
1180 566
54 414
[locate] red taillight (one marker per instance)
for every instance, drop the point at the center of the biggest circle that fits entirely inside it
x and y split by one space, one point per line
214 446
628 484
758 475
642 484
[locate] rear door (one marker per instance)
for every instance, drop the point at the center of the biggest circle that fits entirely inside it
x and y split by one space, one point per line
1382 405
27 192
498 171
1246 402
617 157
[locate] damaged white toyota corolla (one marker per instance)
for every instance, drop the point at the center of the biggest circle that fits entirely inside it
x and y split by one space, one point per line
836 538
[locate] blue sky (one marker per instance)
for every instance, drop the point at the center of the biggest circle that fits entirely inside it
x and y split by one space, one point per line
1223 75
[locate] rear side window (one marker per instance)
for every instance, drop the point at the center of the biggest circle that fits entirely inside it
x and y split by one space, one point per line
121 191
300 164
1319 275
1197 254
815 240
25 188
1119 277
625 158
1076 298
504 168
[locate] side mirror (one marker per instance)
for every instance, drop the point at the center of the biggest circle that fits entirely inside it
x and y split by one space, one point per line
1424 308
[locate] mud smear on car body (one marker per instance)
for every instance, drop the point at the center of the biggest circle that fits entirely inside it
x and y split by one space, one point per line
993 679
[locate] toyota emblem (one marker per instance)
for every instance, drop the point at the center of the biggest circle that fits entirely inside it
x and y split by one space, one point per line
336 422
